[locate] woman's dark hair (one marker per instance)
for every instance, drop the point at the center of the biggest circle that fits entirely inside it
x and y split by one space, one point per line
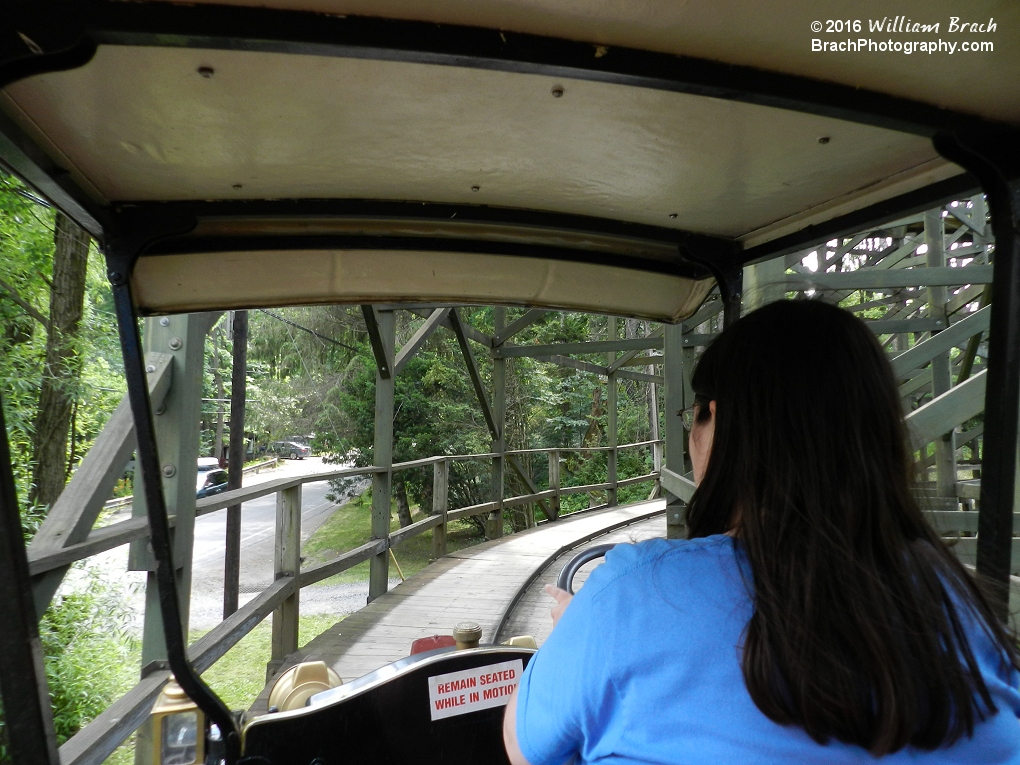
858 631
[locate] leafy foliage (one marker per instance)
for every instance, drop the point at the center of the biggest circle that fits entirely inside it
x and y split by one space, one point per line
90 652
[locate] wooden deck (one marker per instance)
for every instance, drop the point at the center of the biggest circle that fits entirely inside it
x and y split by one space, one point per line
477 584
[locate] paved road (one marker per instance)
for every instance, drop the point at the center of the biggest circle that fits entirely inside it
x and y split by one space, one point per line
258 531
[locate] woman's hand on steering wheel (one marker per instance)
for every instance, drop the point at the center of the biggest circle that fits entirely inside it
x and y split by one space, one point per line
562 598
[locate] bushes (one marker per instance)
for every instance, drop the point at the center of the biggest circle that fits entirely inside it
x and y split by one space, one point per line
91 655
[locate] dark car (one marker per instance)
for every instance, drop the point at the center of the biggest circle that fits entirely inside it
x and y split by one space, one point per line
290 449
211 482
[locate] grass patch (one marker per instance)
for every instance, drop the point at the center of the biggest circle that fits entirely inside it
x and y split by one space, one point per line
351 526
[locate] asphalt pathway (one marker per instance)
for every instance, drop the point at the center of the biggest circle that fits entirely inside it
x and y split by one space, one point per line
258 531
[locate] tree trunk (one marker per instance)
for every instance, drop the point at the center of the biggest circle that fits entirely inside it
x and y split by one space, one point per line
61 369
403 508
221 394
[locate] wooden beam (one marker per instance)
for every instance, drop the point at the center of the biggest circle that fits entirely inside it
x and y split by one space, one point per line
678 485
476 378
518 468
597 346
639 376
416 528
869 279
473 334
517 325
643 361
707 311
942 414
287 564
582 366
629 355
383 360
342 562
957 334
412 346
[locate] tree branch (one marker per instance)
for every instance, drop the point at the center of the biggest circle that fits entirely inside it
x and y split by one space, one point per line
29 308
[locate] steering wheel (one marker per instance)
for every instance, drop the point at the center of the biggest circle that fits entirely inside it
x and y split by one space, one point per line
565 581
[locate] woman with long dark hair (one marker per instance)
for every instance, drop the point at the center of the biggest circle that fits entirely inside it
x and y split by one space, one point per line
812 615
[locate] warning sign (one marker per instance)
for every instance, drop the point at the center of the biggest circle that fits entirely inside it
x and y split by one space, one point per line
470 690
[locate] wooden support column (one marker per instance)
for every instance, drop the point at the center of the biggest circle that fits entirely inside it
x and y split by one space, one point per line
440 505
653 432
554 482
494 523
177 430
238 393
676 437
941 377
378 580
611 421
286 562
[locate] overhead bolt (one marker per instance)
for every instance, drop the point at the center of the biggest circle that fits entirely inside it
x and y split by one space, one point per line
169 471
176 343
164 321
150 368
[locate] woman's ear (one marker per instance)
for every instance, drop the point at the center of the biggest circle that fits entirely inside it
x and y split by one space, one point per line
711 408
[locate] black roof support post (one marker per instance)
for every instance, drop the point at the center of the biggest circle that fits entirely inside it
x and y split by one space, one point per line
120 259
26 697
724 261
994 157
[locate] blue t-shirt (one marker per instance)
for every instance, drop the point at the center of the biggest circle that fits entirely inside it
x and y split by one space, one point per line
644 667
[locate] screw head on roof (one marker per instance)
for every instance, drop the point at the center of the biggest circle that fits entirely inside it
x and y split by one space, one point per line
206 71
557 91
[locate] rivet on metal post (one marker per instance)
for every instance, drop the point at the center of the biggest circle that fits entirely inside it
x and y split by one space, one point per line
175 343
164 321
169 471
150 368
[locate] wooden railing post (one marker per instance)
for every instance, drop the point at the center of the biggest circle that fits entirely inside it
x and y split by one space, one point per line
674 371
382 482
611 426
657 468
612 392
941 376
440 505
286 562
554 481
494 523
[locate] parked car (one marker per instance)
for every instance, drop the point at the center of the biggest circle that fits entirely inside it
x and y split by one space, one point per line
211 482
290 449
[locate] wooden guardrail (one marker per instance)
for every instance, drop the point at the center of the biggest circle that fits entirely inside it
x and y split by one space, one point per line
100 738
